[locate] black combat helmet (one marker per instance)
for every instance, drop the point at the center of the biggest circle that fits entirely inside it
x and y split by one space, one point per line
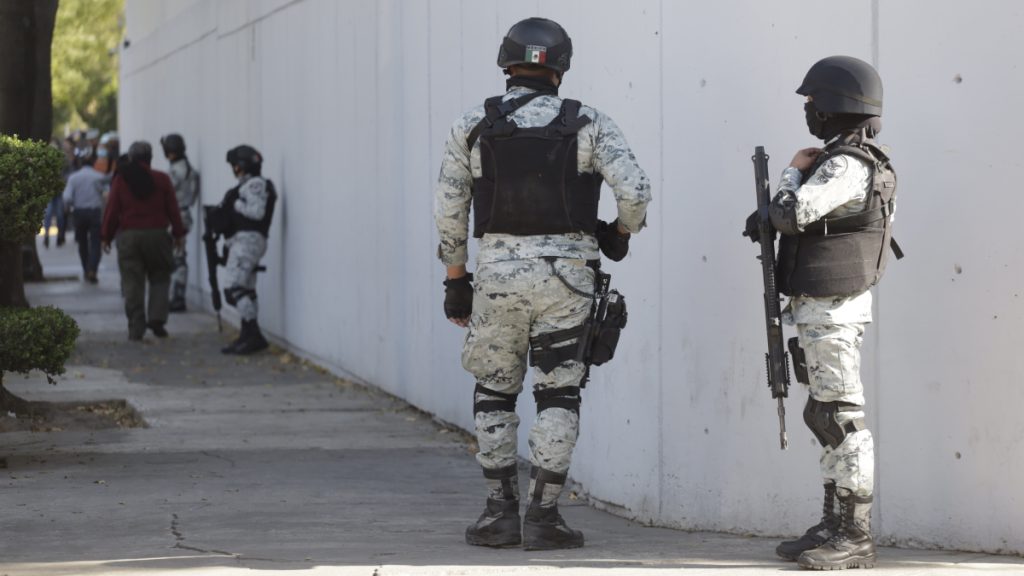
173 144
247 158
536 41
843 85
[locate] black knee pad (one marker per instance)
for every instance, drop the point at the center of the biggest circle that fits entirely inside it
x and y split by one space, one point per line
820 417
235 293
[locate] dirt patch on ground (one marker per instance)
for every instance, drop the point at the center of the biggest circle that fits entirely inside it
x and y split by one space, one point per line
72 416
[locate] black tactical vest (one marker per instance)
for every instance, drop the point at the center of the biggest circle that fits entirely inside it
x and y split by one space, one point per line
243 223
530 183
846 255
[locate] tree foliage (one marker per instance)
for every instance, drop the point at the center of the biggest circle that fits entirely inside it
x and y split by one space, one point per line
85 64
30 175
36 339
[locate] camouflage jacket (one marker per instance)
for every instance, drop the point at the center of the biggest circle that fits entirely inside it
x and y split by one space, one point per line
602 148
186 188
838 187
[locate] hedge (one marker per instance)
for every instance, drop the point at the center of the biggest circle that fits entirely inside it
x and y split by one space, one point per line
30 175
36 339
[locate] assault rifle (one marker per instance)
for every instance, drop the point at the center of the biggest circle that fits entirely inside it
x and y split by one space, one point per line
777 359
210 237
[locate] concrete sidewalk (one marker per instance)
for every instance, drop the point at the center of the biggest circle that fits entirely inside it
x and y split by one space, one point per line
270 464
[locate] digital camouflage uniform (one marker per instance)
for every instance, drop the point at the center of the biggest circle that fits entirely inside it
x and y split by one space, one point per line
247 247
186 188
517 294
831 330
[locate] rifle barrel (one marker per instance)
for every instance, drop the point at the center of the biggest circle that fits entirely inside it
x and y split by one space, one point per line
777 358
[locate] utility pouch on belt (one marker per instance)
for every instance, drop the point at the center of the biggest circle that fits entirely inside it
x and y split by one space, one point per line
610 320
596 338
799 360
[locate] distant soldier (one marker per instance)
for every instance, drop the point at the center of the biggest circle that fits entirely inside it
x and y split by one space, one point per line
186 188
243 217
531 165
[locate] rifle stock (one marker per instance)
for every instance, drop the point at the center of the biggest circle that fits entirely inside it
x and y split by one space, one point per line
777 359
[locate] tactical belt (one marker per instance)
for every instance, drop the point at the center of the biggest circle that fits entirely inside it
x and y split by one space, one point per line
853 222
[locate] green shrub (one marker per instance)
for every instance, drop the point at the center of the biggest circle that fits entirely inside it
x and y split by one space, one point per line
36 339
30 175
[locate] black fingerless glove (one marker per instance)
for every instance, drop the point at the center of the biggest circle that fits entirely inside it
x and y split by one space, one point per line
613 245
752 228
458 297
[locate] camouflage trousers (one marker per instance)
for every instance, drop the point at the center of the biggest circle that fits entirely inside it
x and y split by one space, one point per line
515 300
833 368
179 276
246 249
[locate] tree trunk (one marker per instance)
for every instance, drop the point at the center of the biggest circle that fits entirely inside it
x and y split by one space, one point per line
26 103
12 287
11 403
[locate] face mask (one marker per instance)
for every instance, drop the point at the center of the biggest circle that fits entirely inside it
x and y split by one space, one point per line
815 119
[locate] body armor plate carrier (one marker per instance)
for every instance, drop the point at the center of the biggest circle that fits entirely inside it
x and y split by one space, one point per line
846 255
243 223
530 183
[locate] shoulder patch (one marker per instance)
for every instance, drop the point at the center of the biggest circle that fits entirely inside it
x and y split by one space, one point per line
834 167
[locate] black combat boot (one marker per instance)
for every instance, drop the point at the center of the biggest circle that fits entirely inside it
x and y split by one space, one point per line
158 329
816 535
851 546
545 529
498 526
243 334
252 339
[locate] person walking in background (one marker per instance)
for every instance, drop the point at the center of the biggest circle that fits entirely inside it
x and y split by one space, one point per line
186 189
55 209
141 208
106 153
84 195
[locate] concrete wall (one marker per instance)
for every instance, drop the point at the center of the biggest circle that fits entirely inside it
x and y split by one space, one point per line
350 102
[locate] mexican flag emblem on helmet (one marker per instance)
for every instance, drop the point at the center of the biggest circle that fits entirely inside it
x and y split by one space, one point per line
536 54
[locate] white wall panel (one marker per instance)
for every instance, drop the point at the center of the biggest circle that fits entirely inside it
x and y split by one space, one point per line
351 102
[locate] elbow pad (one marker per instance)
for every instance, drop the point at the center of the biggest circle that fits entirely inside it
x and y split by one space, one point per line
782 212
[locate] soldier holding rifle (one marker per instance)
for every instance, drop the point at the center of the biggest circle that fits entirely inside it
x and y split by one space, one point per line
834 212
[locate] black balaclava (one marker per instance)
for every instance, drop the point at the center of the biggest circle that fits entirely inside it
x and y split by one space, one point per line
538 83
828 126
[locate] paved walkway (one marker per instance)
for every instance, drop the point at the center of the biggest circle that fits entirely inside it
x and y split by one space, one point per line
272 465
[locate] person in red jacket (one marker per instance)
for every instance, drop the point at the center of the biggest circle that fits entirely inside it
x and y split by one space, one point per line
141 207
